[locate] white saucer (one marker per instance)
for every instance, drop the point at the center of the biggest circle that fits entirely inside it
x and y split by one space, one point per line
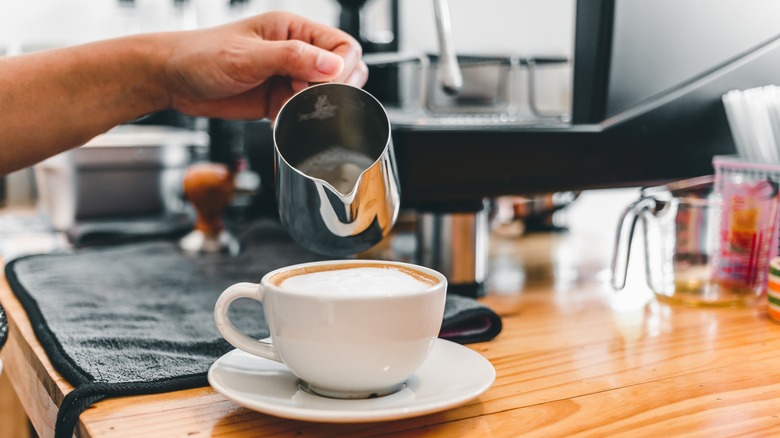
452 375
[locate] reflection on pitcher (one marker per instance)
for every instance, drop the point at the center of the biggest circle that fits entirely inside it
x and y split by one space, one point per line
336 178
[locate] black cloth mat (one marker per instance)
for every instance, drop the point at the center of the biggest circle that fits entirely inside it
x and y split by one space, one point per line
116 231
138 318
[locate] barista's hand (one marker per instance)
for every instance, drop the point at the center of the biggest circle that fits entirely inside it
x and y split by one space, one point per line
248 69
242 70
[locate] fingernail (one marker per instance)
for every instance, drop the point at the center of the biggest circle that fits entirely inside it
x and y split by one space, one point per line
328 63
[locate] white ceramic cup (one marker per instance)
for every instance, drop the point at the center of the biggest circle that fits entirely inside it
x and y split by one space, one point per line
342 345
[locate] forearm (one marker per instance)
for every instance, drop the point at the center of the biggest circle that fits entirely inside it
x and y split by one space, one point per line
52 101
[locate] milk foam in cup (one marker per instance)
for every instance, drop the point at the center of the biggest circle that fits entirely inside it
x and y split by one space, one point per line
365 281
348 328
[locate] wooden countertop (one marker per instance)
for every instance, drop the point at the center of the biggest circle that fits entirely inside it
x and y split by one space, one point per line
574 358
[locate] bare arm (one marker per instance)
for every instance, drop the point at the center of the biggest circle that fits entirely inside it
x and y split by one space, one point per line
56 100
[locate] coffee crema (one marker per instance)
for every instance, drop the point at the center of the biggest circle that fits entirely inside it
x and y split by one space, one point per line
366 279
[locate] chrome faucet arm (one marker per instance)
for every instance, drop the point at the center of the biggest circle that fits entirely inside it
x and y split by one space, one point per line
449 70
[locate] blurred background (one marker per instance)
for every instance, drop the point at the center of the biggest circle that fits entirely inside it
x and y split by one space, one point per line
522 27
535 26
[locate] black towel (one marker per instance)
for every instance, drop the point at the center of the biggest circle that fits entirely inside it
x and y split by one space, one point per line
116 231
3 327
138 318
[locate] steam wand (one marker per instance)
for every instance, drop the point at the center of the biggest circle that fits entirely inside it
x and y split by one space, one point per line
449 70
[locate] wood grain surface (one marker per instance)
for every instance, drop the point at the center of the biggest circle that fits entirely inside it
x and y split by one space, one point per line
574 359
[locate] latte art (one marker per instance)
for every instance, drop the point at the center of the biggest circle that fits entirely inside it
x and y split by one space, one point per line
363 281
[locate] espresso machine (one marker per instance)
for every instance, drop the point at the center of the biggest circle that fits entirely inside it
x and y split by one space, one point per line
646 83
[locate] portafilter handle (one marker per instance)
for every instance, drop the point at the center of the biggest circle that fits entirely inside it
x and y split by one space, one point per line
209 187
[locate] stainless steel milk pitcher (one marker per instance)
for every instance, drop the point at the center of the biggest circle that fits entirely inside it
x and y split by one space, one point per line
336 177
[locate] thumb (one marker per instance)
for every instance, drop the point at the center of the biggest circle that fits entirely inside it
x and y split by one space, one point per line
301 61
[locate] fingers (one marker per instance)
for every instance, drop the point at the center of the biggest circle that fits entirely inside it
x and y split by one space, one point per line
295 59
359 75
265 100
278 95
252 67
304 64
298 85
340 43
250 105
280 26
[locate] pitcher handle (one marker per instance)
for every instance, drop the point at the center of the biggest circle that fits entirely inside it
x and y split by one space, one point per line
625 234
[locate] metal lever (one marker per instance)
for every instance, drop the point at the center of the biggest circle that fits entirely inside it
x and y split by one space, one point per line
449 70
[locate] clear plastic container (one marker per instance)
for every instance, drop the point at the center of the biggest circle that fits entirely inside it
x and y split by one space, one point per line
702 247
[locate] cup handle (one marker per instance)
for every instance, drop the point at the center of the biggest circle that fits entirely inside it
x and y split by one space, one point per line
625 234
229 331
